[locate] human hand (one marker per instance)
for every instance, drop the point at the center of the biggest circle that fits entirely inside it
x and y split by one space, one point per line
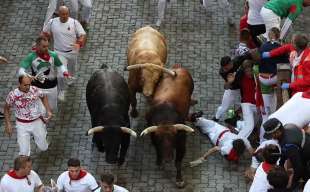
66 74
76 46
49 116
265 55
197 162
285 86
249 173
231 77
8 130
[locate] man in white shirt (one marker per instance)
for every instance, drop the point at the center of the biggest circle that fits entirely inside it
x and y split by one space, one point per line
76 179
230 145
271 155
107 184
21 178
26 100
86 12
69 36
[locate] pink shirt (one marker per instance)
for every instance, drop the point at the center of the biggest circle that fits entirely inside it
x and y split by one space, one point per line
27 105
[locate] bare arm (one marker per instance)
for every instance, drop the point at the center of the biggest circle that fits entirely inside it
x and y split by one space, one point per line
204 157
7 115
47 107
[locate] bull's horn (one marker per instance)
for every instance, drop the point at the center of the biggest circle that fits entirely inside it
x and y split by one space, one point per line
183 128
3 60
129 131
137 66
148 130
94 130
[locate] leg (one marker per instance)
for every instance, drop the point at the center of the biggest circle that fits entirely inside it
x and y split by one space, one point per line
161 11
50 10
124 147
180 153
248 119
86 13
159 156
270 19
224 4
133 99
39 132
23 138
227 101
60 79
75 9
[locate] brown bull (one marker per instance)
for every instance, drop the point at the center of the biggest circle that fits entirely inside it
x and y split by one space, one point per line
146 57
168 112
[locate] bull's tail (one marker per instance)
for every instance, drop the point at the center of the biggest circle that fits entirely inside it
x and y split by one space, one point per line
104 66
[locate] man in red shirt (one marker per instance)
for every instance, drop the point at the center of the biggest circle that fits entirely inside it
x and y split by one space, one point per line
299 60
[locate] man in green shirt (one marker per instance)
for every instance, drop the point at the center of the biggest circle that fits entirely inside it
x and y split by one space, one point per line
274 10
42 63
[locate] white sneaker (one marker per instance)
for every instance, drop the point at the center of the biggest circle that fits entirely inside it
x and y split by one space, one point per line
158 22
61 96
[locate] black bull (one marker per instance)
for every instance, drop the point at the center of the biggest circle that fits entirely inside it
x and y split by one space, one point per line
107 97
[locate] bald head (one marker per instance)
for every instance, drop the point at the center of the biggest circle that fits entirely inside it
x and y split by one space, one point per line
24 83
63 14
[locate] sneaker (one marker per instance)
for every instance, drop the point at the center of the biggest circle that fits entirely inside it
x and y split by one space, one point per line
158 22
61 96
1 115
215 119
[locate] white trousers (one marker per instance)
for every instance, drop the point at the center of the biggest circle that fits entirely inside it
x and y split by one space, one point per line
86 10
246 126
52 6
24 131
210 128
52 98
270 19
70 61
161 8
230 97
295 111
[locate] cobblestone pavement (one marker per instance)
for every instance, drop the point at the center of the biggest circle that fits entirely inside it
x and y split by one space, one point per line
196 38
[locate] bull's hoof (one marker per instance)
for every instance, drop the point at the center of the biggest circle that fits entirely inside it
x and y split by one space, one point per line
180 184
134 113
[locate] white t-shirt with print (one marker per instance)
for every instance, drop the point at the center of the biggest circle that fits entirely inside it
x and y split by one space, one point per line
10 184
86 184
27 105
64 34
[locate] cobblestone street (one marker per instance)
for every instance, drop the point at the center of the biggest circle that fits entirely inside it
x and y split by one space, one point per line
196 39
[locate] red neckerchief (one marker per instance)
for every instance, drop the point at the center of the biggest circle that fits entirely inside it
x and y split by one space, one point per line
266 167
13 174
44 56
232 156
80 176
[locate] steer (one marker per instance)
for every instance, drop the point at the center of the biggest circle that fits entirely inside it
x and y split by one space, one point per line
107 98
146 57
168 112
